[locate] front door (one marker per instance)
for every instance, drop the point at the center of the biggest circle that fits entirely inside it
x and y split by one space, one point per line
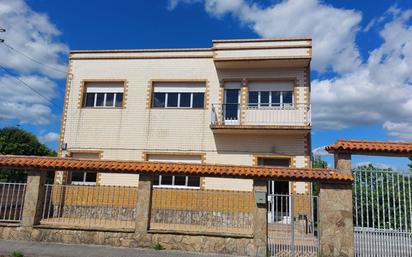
231 106
278 192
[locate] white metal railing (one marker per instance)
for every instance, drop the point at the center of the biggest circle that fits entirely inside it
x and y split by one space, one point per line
293 225
90 206
11 201
382 208
235 114
202 210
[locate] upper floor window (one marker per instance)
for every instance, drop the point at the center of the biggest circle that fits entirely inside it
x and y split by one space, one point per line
178 95
104 95
271 94
270 98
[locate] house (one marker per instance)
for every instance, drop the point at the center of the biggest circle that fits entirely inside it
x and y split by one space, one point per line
239 102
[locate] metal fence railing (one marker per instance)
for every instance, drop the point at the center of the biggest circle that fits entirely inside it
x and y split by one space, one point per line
382 211
235 114
293 225
11 201
90 206
195 210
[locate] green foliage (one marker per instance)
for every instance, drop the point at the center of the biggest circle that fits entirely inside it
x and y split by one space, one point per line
17 141
317 162
17 254
158 247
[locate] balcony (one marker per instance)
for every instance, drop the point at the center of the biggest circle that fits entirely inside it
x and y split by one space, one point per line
236 116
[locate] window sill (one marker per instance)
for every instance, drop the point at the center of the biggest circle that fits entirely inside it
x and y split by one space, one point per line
176 187
178 108
105 108
83 183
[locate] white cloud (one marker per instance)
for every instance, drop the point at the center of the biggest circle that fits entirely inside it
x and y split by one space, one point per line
320 151
19 102
333 30
33 34
379 92
375 91
49 137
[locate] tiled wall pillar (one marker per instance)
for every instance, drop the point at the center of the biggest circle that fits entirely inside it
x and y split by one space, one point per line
260 226
34 197
144 197
336 220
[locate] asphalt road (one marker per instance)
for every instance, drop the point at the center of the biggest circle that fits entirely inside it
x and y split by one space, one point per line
40 249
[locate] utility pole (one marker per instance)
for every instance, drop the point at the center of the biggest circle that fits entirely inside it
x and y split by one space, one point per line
2 30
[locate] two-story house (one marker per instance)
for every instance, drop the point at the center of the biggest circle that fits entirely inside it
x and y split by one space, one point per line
240 102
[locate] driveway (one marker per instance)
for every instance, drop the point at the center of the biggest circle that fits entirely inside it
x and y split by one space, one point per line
41 249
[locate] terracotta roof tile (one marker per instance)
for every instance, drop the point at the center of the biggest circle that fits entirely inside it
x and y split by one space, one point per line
371 146
54 163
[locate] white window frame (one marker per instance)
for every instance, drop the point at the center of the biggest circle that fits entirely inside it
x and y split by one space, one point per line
173 183
84 182
104 88
272 104
178 100
104 100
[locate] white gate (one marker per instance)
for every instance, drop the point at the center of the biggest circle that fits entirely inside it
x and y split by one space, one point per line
382 212
292 225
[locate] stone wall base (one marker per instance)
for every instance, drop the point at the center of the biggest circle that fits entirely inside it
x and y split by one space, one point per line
196 243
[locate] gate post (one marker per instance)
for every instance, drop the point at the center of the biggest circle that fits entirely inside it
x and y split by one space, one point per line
144 198
33 198
336 220
260 220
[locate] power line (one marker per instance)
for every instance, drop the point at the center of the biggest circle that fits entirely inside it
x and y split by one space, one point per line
2 30
31 88
31 58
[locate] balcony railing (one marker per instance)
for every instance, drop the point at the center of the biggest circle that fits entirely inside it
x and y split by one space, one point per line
235 114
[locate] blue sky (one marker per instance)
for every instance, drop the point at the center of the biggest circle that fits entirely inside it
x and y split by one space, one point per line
361 70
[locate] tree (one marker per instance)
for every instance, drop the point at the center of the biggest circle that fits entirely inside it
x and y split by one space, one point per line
317 162
17 141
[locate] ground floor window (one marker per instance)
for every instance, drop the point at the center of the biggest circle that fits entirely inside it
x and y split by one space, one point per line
177 181
83 178
274 161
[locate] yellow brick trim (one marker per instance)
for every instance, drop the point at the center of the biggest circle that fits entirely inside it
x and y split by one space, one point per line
243 100
149 94
308 149
207 95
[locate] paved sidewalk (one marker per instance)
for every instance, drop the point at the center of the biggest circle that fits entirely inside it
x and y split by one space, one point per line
40 249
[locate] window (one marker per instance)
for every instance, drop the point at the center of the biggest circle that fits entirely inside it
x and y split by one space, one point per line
177 181
178 95
277 162
270 98
104 95
84 178
80 177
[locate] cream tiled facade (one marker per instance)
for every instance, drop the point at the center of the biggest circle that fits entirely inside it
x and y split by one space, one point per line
137 131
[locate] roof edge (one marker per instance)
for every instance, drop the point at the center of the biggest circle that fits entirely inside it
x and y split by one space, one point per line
261 40
153 50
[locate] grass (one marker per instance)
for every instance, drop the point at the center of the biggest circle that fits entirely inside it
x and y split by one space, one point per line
158 247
